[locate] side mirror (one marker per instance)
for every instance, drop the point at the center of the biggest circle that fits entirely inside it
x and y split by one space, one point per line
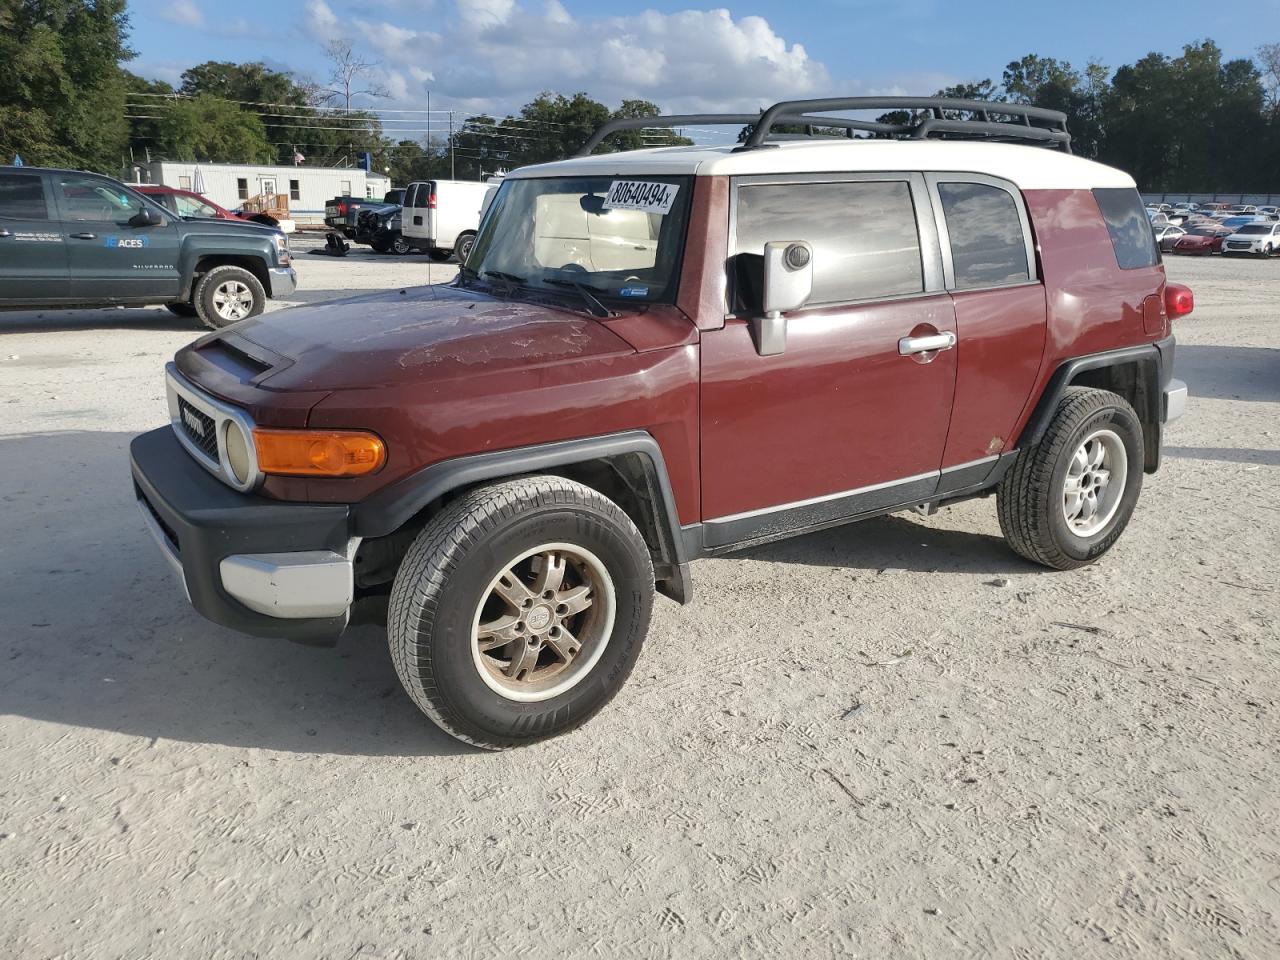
146 217
788 284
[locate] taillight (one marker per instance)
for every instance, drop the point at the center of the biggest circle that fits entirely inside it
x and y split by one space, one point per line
342 209
1178 300
431 201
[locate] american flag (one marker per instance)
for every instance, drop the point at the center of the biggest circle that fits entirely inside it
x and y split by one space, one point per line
297 158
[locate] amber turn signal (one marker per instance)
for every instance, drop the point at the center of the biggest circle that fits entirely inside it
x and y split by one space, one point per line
319 453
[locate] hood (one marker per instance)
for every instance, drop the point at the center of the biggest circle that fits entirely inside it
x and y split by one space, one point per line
397 336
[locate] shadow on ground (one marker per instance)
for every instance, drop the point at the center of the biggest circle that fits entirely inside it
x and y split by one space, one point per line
1229 373
97 633
108 318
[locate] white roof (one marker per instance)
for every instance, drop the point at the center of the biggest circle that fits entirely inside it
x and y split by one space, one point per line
1030 167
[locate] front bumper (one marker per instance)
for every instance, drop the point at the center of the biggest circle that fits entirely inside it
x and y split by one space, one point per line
284 280
259 566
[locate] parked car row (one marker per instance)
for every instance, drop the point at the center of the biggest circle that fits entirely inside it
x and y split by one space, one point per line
1216 228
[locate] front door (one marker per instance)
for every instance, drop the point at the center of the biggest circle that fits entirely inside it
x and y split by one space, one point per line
33 254
109 259
852 417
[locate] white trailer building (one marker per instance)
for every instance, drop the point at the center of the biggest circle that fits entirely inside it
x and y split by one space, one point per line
230 184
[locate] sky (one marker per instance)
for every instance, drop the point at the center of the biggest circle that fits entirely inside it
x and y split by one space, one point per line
495 55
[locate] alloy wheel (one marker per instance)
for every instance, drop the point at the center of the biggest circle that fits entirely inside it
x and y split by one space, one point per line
232 300
1095 482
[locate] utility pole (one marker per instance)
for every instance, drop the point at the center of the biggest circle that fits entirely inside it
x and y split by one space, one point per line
428 123
453 164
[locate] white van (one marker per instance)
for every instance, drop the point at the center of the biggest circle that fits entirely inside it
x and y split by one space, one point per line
441 216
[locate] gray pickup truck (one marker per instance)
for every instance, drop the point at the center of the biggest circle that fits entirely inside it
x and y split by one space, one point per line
72 239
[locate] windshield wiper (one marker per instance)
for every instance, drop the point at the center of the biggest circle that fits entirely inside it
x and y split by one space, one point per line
594 306
508 277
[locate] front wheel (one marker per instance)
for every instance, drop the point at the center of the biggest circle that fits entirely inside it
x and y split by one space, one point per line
1066 500
400 246
226 295
519 611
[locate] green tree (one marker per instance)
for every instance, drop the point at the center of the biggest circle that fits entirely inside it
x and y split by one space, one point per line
213 130
62 92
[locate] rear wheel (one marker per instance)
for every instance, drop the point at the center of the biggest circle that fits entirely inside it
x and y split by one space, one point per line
465 242
519 611
226 295
1066 500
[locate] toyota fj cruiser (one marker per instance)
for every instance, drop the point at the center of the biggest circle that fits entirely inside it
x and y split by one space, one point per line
71 239
660 355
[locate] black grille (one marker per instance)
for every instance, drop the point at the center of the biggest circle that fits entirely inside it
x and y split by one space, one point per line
199 428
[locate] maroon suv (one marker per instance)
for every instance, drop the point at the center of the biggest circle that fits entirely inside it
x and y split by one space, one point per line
655 356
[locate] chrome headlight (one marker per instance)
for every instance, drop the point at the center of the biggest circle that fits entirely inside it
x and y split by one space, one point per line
282 248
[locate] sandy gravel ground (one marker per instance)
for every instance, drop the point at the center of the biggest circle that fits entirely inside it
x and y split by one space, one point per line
1071 765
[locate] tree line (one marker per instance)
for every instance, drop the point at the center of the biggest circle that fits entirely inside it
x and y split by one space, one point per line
1191 122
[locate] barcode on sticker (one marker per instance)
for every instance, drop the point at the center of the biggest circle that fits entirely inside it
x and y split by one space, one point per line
641 195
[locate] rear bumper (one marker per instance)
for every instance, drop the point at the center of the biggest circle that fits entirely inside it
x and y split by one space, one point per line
1175 401
284 280
259 566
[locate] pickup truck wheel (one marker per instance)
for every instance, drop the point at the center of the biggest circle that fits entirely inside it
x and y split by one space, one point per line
226 295
181 309
519 611
463 248
1067 499
438 255
400 246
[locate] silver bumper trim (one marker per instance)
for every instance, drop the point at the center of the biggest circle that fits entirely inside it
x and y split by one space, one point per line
313 583
166 547
284 280
1175 400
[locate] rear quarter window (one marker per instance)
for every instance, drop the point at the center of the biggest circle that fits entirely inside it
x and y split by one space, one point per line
1131 235
988 248
22 197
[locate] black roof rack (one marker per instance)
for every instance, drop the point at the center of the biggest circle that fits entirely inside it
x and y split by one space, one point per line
928 117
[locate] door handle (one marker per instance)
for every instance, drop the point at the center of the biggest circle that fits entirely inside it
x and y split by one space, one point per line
84 236
935 341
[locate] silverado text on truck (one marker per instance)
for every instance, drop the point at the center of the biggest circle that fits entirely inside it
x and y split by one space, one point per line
70 239
655 356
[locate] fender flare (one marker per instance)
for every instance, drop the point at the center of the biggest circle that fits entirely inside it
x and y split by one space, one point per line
388 510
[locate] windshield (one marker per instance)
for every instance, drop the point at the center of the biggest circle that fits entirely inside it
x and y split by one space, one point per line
1255 228
617 237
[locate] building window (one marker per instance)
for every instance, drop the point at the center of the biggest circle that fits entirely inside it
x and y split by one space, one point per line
346 188
184 183
242 188
295 190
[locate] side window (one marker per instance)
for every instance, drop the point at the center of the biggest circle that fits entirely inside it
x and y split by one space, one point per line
987 244
423 197
1131 234
87 198
191 207
863 233
184 183
242 188
344 188
22 197
409 194
295 190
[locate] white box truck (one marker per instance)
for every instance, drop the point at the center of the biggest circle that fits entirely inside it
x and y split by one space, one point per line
441 216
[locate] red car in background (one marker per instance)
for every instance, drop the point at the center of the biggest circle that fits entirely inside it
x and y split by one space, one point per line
187 203
1202 240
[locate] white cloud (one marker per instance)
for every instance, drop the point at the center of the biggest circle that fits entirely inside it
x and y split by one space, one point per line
496 55
320 20
184 13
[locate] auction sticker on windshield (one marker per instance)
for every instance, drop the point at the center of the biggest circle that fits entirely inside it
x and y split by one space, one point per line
641 195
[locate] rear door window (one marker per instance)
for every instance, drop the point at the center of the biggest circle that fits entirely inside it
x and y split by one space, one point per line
1130 230
988 247
22 197
864 237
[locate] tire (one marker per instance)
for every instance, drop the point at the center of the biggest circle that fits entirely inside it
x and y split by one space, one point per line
463 247
438 255
223 286
181 309
1033 500
452 581
400 246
